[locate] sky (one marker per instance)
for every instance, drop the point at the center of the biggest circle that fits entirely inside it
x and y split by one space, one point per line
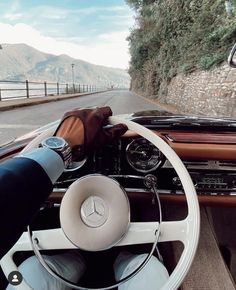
94 31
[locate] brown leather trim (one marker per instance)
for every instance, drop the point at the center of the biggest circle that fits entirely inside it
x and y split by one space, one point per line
223 201
200 151
57 196
206 200
193 137
204 151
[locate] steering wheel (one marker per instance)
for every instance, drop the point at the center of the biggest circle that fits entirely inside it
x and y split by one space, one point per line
128 233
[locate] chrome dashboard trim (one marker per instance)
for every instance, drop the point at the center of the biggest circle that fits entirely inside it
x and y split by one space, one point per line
207 165
60 190
126 176
163 191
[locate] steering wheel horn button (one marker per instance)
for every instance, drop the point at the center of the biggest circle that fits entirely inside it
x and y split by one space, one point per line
94 211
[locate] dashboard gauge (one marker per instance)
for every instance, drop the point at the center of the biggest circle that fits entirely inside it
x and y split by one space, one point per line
143 156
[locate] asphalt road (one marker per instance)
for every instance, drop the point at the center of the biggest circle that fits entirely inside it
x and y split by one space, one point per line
17 122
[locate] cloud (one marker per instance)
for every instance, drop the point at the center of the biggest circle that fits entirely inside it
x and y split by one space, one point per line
12 12
114 37
110 50
96 9
12 16
14 6
124 20
50 12
116 8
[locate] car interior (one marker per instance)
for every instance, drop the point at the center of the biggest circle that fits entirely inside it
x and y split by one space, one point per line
207 148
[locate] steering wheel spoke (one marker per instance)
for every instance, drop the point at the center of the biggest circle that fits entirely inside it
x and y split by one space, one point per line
53 239
145 232
174 231
186 231
140 233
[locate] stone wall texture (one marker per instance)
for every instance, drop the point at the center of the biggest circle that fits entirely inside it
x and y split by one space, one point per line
211 93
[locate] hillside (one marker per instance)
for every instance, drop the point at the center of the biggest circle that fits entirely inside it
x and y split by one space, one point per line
21 62
171 38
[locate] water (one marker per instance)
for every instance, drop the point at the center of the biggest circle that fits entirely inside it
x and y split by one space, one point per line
10 90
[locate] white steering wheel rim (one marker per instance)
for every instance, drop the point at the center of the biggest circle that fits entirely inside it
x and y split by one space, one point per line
187 231
192 221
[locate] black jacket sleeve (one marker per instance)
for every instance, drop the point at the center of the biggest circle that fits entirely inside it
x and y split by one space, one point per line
24 185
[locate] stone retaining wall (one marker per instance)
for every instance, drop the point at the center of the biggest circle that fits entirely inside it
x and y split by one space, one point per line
211 93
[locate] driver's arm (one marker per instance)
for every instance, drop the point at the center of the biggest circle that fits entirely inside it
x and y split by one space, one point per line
27 180
24 185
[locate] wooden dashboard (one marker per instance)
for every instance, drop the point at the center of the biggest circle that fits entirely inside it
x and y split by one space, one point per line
196 146
199 145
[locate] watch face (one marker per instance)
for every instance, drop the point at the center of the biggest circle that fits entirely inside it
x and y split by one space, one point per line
54 142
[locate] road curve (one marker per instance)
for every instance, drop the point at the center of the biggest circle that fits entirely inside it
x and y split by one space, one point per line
19 121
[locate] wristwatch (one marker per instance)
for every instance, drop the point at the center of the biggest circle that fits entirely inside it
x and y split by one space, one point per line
60 146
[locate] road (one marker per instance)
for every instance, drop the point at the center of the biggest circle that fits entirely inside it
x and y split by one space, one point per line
20 121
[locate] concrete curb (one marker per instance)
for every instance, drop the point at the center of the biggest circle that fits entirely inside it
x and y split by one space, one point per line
18 103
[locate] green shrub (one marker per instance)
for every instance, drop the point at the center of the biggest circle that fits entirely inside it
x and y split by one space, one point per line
177 37
206 62
186 68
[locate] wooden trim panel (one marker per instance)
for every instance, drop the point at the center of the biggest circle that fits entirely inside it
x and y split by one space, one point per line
191 145
206 200
195 137
204 151
207 149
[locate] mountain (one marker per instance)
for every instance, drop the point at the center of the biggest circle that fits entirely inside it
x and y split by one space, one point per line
21 62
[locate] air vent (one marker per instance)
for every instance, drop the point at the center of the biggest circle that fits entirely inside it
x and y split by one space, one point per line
207 165
224 164
190 164
195 163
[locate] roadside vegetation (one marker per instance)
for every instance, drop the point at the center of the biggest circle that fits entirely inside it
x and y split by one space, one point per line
172 37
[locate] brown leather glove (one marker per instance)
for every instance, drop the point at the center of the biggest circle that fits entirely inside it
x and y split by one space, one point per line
83 130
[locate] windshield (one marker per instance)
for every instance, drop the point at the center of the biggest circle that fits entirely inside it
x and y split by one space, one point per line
169 55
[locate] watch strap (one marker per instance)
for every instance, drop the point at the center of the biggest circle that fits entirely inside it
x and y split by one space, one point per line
64 152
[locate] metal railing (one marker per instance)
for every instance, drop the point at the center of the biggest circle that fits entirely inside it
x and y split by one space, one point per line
26 89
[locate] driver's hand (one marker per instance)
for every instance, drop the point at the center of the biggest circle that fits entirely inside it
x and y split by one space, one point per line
86 127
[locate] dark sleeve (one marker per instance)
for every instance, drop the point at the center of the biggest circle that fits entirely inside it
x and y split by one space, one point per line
24 185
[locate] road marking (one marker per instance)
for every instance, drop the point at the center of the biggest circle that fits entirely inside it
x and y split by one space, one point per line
18 126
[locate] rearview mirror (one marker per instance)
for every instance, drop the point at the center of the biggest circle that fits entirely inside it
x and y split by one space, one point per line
232 57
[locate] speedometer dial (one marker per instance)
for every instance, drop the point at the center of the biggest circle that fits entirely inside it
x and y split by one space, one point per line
143 156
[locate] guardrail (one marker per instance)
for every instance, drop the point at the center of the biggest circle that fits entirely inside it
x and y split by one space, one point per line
27 89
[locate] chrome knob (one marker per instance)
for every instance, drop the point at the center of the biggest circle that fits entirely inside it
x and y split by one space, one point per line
176 181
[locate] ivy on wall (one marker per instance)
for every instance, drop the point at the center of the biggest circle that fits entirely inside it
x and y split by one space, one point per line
177 36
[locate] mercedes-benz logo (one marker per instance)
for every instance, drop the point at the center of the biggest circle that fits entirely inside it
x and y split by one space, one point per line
94 211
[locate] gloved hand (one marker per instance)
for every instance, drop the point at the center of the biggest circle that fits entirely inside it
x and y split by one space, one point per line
83 130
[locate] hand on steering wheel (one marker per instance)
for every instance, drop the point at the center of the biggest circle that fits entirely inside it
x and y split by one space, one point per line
186 231
83 130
